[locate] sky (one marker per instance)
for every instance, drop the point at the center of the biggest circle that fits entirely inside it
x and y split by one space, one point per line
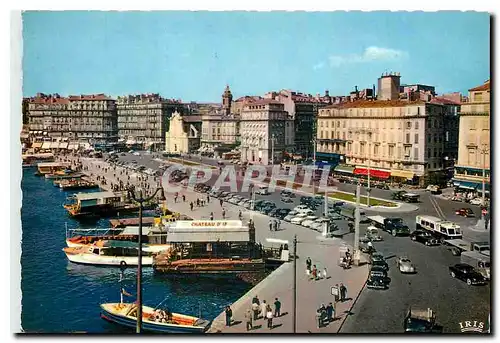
193 55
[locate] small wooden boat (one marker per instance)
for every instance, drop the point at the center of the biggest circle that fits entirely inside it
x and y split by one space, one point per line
76 184
108 253
126 314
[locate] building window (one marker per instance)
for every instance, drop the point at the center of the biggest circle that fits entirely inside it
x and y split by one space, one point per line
416 125
321 123
331 134
478 97
407 138
416 138
408 124
321 134
338 123
326 124
473 124
343 124
343 135
375 150
429 153
415 153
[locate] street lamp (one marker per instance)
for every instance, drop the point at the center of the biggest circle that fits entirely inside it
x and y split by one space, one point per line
141 199
314 164
485 149
272 149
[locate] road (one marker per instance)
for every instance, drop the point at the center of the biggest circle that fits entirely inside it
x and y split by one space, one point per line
432 286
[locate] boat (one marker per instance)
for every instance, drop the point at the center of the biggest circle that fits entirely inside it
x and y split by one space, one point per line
51 167
32 160
154 238
64 174
76 184
108 253
125 314
101 204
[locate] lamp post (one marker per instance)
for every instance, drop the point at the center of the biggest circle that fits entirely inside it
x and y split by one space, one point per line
368 190
294 305
484 151
141 199
272 149
314 164
357 254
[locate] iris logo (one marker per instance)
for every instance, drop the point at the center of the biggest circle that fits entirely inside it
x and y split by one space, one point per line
471 326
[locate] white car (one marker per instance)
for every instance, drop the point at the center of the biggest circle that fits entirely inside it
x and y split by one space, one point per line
476 201
405 265
307 222
301 208
317 226
298 219
136 154
311 217
289 217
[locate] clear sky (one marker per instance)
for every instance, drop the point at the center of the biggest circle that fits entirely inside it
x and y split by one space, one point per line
193 55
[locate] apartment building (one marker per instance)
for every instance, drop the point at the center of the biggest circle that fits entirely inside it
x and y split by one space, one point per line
394 139
474 141
91 118
265 128
144 118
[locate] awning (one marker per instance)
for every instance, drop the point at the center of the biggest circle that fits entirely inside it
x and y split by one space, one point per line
344 169
403 173
63 145
37 145
471 185
46 145
54 145
381 174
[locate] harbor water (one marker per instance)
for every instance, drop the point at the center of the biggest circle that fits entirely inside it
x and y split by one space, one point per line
61 297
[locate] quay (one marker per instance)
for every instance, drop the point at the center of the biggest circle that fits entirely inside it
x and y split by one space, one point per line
311 294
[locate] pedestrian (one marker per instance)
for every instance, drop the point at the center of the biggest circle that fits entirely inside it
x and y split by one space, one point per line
318 318
248 319
208 199
270 225
279 224
229 314
211 216
240 215
277 308
324 273
198 202
281 250
314 273
263 309
183 198
343 292
329 312
221 202
308 264
269 315
255 309
256 300
275 223
175 199
191 205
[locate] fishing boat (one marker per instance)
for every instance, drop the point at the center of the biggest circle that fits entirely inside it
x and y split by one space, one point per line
108 253
51 167
64 174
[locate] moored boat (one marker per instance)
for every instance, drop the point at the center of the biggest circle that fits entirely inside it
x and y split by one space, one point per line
125 314
108 253
76 184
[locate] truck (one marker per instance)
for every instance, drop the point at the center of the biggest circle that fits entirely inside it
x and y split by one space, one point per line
395 226
480 262
349 214
458 246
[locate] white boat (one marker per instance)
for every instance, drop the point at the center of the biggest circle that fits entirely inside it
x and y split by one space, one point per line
108 253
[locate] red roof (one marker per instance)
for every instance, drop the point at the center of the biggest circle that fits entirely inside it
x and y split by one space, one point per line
265 102
483 87
444 101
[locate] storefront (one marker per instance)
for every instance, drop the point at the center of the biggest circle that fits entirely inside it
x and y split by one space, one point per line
332 158
344 170
470 186
403 176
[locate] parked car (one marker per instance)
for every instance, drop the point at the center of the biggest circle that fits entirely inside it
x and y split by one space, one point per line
301 208
290 216
299 218
378 280
467 273
423 237
288 193
286 199
282 213
465 212
334 215
476 201
405 265
263 190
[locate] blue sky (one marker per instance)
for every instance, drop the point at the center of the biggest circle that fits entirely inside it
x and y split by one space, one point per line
193 55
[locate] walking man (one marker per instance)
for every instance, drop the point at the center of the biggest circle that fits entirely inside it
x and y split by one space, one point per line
248 319
308 264
255 310
191 205
343 292
221 202
263 309
211 216
269 316
223 213
329 312
277 308
279 224
198 202
270 225
208 199
183 198
229 314
318 318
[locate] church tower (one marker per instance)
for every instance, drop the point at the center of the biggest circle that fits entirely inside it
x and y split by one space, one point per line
227 98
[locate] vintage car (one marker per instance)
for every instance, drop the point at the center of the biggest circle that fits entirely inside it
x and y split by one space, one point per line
467 273
377 257
421 321
405 265
398 195
380 264
365 245
465 212
372 234
377 270
423 237
378 280
286 199
434 189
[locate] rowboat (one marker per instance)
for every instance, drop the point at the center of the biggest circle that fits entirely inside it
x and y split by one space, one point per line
125 314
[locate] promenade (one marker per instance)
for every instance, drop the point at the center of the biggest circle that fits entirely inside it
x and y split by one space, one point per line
311 294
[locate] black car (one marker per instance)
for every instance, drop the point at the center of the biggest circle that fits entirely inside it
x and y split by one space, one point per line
305 200
399 195
467 273
380 264
378 282
266 210
377 270
282 213
287 193
274 213
286 199
423 237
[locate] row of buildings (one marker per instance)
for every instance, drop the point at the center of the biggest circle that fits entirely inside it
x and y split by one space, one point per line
403 132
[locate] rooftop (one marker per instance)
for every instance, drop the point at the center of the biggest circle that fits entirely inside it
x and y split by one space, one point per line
483 87
95 195
376 104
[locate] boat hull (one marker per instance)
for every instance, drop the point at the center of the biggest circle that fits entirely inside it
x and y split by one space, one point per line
112 261
112 316
153 248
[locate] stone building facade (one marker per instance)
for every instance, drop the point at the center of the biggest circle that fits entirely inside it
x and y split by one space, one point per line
91 118
265 128
183 136
395 139
144 118
474 140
